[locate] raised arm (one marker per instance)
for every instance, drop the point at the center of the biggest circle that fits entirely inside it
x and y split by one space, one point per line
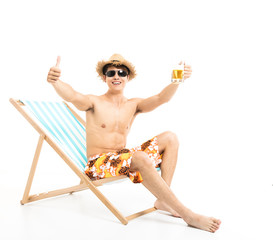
149 104
65 91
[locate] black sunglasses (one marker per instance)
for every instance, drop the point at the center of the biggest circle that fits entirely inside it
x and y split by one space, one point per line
112 73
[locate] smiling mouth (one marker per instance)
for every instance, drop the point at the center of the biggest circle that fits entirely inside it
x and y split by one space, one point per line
116 83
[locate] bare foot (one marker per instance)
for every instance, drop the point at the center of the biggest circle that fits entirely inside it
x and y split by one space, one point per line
209 224
202 222
164 207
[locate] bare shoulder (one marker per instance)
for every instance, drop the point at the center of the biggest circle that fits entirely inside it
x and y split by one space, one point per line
135 100
92 97
96 101
83 102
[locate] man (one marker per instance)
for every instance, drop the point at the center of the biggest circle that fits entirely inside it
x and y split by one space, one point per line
108 120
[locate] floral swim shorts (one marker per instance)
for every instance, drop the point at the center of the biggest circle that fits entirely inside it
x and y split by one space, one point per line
118 163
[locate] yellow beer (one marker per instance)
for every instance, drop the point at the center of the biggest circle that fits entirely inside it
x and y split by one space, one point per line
177 75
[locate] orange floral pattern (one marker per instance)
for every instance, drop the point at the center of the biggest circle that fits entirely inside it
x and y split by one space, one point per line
118 163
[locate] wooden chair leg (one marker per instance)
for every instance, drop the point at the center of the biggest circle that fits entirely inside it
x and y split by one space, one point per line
105 201
32 170
135 215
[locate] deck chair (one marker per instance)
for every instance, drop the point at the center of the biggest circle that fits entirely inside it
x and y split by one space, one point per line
64 130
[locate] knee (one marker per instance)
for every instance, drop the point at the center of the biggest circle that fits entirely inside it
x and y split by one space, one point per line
140 160
172 138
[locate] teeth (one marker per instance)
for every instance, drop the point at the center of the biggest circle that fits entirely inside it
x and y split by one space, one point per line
116 83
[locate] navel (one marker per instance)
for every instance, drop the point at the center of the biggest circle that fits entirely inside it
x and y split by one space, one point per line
103 125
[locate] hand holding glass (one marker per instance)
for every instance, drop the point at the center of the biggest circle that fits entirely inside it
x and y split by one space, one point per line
178 73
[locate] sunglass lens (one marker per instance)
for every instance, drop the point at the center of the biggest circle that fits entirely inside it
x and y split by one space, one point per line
111 73
122 73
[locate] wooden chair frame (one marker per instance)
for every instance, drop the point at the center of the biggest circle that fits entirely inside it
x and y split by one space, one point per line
85 182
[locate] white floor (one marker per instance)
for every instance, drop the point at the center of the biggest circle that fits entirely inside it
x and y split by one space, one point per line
230 182
246 211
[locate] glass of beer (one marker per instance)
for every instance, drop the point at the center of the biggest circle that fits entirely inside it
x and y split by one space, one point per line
178 73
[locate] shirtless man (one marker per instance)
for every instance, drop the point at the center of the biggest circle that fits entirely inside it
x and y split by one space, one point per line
108 120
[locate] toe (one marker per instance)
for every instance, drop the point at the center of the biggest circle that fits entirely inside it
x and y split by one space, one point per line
215 225
218 221
212 230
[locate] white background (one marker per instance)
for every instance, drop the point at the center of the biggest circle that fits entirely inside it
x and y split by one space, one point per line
222 115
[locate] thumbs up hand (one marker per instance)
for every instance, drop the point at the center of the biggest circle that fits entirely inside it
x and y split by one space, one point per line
54 72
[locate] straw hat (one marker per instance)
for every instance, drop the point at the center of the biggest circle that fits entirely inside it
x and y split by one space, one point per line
116 60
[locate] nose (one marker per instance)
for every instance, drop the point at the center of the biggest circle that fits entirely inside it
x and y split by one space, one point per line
116 75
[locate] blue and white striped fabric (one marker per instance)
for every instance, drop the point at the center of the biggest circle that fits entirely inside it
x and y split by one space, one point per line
63 127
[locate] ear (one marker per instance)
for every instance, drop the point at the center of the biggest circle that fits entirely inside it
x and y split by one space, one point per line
104 78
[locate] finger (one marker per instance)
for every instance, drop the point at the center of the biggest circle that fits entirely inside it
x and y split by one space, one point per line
187 72
58 61
55 74
53 78
55 69
180 63
187 76
187 67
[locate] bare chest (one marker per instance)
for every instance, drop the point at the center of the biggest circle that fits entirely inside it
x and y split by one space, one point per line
112 118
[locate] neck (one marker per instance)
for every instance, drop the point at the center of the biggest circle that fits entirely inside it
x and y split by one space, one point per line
115 97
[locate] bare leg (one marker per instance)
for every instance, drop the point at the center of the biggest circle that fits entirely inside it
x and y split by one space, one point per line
168 145
160 189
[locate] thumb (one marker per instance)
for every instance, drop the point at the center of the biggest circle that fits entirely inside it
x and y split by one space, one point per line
181 63
58 61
